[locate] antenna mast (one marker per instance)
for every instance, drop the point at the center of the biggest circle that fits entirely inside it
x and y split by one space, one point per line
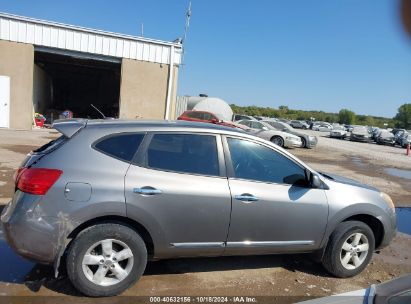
187 25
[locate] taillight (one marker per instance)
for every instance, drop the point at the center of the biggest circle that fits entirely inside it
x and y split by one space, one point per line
18 173
37 180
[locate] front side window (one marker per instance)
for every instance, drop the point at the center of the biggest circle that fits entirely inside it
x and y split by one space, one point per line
208 116
256 162
122 146
186 153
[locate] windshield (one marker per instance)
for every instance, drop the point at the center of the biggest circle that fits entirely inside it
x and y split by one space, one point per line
386 134
270 127
360 130
339 128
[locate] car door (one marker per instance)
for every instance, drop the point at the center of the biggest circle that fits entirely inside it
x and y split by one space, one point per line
273 208
178 189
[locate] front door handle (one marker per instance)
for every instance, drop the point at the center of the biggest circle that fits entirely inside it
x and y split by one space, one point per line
246 197
147 191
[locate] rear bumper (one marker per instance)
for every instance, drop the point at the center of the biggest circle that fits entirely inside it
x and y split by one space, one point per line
29 233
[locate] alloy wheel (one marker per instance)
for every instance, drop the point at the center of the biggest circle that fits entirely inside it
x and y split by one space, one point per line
354 251
107 262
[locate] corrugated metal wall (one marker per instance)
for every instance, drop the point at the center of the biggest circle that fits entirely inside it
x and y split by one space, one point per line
55 35
181 105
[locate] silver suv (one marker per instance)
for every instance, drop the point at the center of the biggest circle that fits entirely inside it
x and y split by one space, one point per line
107 196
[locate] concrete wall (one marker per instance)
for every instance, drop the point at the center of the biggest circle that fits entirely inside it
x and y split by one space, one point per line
143 89
16 61
41 90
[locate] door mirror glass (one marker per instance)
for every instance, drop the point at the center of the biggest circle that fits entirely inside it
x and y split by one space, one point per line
315 181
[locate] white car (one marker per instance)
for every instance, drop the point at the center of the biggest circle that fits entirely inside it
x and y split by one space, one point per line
268 132
322 127
338 132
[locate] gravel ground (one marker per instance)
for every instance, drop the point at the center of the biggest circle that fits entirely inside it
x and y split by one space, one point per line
280 275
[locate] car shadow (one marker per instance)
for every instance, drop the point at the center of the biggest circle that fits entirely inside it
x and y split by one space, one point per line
43 276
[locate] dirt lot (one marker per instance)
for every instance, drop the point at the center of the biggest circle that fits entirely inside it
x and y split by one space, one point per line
281 275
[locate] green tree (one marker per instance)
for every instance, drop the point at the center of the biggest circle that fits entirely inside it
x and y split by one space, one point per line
346 116
403 116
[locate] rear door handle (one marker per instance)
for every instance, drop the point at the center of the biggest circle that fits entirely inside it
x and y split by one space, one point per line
147 191
245 197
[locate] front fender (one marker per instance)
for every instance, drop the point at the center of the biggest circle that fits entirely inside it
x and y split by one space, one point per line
366 209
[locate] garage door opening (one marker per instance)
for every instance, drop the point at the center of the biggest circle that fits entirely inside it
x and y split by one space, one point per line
62 82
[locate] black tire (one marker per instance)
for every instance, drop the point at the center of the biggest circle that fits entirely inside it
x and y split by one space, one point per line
97 233
304 143
331 259
278 141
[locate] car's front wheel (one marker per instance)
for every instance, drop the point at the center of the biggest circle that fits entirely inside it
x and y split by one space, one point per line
106 259
349 249
278 141
303 143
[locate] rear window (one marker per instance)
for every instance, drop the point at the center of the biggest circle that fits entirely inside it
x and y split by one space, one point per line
121 146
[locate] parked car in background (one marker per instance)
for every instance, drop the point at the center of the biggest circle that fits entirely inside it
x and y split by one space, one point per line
237 117
307 141
322 127
360 133
338 132
111 195
396 130
267 132
399 134
348 128
298 124
374 133
204 116
385 137
404 140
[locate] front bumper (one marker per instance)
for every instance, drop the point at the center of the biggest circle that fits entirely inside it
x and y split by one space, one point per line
338 135
29 233
312 142
360 138
386 142
390 229
293 143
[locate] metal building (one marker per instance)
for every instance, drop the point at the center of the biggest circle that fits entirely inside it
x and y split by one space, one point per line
49 67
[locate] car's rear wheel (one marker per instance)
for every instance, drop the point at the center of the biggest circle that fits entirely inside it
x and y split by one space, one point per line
349 249
106 259
278 141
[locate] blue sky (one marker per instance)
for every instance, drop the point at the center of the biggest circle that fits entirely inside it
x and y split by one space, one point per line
320 55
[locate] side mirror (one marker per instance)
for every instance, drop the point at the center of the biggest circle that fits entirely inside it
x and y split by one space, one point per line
315 181
265 128
214 120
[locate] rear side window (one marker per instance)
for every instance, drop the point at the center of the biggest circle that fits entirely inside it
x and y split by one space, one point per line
186 153
196 115
122 146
